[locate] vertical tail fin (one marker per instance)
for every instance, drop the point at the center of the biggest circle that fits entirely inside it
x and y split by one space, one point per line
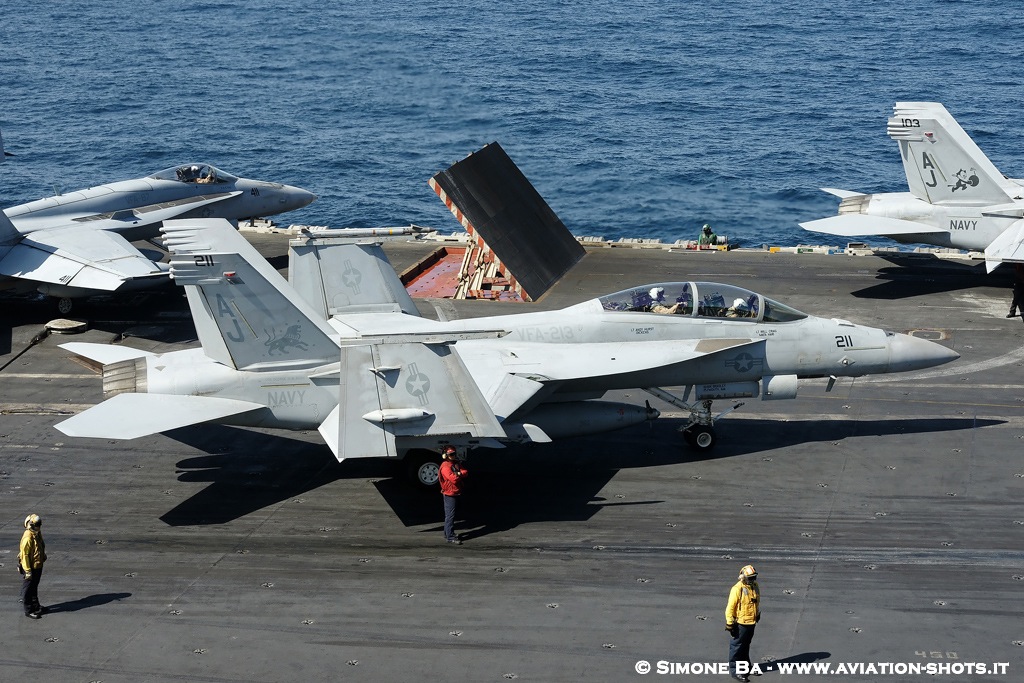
8 233
245 313
337 276
942 163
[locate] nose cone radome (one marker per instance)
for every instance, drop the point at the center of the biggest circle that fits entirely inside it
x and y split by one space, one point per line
910 353
295 198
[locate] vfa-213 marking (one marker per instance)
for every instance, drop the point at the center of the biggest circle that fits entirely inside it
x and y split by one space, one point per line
555 333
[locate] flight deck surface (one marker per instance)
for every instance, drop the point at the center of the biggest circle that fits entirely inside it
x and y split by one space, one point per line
884 517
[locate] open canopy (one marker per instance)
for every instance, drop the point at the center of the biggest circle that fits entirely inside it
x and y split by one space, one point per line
700 299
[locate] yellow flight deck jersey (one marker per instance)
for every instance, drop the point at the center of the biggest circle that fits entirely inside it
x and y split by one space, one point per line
744 604
33 550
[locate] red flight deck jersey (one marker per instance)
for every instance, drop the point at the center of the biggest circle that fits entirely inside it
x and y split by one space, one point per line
451 485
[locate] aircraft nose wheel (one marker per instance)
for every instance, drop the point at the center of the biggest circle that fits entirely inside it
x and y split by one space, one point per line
701 437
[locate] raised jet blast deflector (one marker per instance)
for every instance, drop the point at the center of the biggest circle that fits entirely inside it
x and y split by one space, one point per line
494 200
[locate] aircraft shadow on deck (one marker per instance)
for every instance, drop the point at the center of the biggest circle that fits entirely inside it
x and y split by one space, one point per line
144 314
562 481
920 275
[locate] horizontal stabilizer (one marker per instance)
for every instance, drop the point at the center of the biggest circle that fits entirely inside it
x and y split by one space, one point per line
842 194
860 225
129 416
1008 247
104 354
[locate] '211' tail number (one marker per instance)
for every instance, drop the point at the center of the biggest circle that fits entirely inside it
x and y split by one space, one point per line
844 341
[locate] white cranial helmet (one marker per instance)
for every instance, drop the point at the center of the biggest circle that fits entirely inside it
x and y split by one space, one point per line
657 293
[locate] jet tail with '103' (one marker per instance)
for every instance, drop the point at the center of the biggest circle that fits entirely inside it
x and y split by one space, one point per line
341 350
957 197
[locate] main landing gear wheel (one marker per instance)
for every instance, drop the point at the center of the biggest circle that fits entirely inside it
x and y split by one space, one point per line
701 437
423 468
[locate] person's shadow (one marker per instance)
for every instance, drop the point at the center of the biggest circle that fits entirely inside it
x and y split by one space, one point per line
86 602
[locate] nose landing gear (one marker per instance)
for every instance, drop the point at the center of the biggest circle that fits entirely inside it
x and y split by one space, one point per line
699 431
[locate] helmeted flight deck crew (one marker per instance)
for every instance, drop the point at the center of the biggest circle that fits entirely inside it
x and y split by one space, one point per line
31 556
450 476
742 613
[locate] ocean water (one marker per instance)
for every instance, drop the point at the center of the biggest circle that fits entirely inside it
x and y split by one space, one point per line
633 118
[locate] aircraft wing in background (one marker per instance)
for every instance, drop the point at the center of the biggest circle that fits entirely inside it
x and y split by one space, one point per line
73 257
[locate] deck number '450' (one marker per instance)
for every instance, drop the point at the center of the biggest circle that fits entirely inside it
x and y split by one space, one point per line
844 341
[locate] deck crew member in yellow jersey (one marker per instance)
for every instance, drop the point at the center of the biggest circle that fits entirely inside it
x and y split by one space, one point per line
31 556
742 613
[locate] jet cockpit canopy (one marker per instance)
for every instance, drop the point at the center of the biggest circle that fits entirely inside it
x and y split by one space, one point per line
700 299
195 173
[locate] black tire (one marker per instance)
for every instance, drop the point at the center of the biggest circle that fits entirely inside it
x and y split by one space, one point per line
422 468
701 437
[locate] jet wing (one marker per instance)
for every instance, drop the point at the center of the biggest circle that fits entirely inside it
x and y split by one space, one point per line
129 416
859 225
149 214
77 257
1009 246
539 368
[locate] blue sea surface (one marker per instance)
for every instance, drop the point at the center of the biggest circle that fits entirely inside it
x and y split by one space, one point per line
633 118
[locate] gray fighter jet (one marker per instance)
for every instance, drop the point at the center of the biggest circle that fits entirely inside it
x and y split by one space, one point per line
78 243
342 350
957 197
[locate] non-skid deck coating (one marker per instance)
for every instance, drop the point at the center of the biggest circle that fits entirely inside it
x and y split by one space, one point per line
885 518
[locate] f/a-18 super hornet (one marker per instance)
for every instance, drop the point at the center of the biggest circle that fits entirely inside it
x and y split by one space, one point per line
342 350
957 197
78 243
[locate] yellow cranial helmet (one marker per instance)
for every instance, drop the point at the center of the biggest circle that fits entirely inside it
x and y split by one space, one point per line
748 572
33 521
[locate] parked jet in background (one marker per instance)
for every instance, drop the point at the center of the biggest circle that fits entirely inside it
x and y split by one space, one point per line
379 381
3 153
78 243
957 196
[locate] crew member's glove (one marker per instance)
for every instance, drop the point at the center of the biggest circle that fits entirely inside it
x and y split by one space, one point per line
757 618
733 629
28 576
21 570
